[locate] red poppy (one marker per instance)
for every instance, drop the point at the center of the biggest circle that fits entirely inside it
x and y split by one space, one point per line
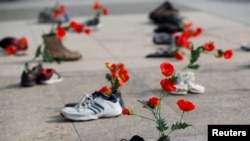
87 31
57 13
167 69
97 5
197 32
105 11
62 8
209 46
127 111
60 32
106 90
153 102
185 105
168 85
178 55
228 54
10 50
47 72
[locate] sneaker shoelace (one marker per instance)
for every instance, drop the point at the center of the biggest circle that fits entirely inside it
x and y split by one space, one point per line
86 101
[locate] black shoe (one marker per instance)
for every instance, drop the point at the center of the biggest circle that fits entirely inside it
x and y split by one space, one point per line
169 28
7 41
164 54
29 77
162 38
165 8
92 24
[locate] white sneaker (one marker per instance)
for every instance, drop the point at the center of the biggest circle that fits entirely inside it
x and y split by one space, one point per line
182 87
91 108
193 87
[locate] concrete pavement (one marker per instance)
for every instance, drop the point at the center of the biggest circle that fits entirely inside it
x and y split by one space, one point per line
32 114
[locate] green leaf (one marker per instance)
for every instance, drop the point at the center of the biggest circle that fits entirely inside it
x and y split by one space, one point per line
108 76
194 66
38 51
179 125
162 125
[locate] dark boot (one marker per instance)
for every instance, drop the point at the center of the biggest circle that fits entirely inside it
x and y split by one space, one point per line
56 50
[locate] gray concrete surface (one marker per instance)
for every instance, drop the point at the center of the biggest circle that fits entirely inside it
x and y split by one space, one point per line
32 114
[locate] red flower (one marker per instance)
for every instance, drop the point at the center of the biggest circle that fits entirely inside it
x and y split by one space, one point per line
185 105
178 55
10 49
57 13
106 90
105 11
60 32
47 72
87 31
127 111
209 46
228 54
197 32
153 102
168 85
167 69
76 26
97 5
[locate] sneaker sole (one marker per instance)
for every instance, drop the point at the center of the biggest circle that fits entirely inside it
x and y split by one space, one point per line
75 117
51 81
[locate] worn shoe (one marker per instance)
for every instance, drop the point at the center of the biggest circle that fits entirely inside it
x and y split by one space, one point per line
245 46
162 12
190 81
185 83
49 76
162 54
169 28
182 87
162 38
92 24
56 50
91 108
29 77
97 93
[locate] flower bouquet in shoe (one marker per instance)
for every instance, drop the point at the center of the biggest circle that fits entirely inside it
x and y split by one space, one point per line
14 46
39 75
154 105
95 22
55 14
117 76
186 82
52 48
92 107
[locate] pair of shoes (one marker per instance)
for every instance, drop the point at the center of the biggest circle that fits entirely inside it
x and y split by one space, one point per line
92 107
57 51
162 54
162 38
39 75
168 28
93 24
15 46
245 46
186 83
166 8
